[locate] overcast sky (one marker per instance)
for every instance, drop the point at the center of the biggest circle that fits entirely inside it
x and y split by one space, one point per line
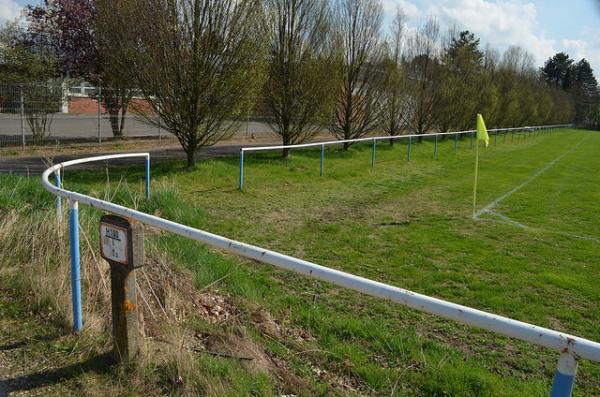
543 27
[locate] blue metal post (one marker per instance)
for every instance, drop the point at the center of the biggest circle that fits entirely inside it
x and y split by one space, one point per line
75 266
373 153
564 377
241 169
148 178
322 159
435 148
409 142
58 198
455 142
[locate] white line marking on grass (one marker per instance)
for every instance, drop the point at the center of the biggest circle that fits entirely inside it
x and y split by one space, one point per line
505 220
491 207
493 204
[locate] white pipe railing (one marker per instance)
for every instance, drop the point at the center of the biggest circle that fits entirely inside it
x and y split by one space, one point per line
374 141
570 347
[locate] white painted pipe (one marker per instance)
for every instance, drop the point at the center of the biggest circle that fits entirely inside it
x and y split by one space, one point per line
560 342
379 138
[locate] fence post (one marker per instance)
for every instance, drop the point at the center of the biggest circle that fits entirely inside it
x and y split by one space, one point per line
58 198
241 184
322 159
409 142
455 142
435 147
148 177
471 139
22 118
99 114
564 377
75 265
122 245
495 137
373 153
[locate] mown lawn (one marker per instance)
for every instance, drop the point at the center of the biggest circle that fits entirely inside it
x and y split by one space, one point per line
407 224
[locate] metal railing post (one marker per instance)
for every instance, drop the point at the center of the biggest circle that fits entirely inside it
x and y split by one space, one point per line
58 198
409 142
322 160
455 142
373 154
471 139
22 119
435 144
75 265
148 177
564 377
241 183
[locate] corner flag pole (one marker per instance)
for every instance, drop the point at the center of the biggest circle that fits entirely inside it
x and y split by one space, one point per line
476 172
481 135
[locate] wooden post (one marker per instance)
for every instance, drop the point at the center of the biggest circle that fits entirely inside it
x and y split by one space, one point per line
122 245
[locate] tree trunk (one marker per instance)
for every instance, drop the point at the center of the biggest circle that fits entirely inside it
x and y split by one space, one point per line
286 141
114 122
191 158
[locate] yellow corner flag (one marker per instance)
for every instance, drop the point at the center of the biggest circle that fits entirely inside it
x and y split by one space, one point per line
482 134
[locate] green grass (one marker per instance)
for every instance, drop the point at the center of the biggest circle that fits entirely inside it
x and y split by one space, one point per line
407 224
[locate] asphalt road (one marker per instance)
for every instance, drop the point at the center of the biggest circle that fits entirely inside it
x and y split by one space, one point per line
35 165
86 126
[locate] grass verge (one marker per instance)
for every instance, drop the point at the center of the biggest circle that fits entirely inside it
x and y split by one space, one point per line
404 223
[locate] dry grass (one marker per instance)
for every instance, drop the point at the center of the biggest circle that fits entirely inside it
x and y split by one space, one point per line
38 269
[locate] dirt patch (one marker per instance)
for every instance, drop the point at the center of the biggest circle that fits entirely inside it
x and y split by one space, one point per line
170 295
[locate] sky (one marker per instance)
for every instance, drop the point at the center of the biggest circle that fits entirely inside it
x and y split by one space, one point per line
543 27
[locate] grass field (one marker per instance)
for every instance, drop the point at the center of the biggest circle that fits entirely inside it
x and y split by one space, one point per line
535 258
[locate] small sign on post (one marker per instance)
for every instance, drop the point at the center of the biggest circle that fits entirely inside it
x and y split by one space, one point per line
122 245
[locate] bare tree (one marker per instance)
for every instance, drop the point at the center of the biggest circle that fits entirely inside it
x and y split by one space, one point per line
513 80
423 74
358 109
394 91
197 62
40 102
300 84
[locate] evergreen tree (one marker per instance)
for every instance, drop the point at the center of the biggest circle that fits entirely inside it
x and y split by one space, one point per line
586 94
558 71
461 85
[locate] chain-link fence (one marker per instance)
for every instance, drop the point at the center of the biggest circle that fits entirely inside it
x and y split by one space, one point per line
39 114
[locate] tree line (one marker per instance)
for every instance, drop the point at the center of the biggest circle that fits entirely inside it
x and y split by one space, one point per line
318 65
